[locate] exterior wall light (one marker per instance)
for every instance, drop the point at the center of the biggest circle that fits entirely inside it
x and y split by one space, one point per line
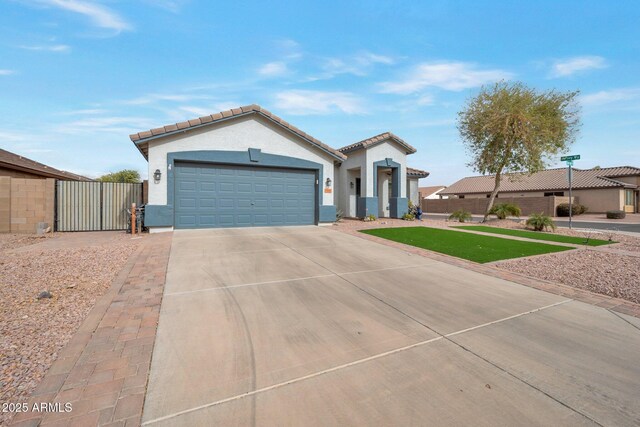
157 175
328 182
351 184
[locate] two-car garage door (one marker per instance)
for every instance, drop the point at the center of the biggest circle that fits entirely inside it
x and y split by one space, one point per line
208 196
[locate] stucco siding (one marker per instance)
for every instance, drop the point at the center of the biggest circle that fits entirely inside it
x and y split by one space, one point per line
413 195
345 195
601 200
237 135
384 151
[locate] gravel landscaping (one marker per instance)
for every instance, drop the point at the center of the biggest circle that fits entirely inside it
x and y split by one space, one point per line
601 272
33 330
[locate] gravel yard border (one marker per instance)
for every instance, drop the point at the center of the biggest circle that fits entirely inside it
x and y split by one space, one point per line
36 335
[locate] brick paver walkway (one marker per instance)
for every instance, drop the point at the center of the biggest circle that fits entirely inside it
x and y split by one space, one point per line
103 370
610 303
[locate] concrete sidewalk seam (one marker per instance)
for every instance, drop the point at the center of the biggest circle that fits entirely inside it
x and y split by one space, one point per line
273 282
348 365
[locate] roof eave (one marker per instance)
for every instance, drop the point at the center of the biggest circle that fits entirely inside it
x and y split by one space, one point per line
340 158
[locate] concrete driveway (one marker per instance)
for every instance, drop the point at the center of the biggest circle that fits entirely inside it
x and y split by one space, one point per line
309 326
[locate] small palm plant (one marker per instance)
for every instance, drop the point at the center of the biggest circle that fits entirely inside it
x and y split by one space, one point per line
540 222
503 210
461 215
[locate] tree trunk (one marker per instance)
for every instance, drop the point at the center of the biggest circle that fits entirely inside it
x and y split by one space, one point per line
493 195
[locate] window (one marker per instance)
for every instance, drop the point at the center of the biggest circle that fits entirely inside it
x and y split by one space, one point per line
554 193
461 196
628 197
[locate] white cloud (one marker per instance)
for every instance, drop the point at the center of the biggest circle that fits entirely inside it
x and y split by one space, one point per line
86 111
6 72
59 48
173 6
610 96
453 76
101 16
154 98
304 102
567 67
358 65
116 125
273 69
425 100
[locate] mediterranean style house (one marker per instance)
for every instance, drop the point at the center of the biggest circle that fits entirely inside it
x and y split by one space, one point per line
599 189
247 167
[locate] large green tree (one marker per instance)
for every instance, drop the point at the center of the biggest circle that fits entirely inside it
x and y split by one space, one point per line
125 175
509 128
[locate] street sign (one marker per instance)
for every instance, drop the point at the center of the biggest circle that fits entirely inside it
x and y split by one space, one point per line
570 158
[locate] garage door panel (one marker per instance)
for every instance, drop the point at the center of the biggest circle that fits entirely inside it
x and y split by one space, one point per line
261 188
244 187
238 196
226 187
244 203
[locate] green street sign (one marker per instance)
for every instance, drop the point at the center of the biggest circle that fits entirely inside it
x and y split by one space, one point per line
570 158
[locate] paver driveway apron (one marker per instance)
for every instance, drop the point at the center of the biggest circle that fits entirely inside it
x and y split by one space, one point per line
309 326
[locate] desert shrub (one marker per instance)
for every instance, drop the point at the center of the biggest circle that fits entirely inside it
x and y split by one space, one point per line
503 210
460 215
576 209
408 217
616 214
540 222
370 217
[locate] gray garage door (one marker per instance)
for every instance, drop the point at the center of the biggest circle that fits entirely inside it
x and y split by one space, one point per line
209 196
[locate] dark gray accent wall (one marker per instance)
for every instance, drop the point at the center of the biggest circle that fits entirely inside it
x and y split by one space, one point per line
398 206
366 206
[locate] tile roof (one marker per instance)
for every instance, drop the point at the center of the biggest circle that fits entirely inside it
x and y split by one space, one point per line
14 161
411 172
141 138
427 191
547 180
369 142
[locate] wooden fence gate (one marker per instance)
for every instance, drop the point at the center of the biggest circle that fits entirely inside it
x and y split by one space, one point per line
94 206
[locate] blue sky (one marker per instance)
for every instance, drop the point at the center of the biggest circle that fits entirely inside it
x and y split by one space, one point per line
78 76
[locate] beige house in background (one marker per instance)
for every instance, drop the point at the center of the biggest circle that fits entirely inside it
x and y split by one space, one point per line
27 192
432 192
599 189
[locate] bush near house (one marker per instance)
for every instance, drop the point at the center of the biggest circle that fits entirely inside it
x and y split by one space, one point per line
370 217
460 215
540 222
616 214
576 209
408 217
503 210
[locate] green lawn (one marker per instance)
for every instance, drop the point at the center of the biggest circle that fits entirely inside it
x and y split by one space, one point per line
473 247
536 235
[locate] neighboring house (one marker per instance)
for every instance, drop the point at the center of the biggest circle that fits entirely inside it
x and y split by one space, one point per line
27 193
599 189
248 167
17 166
432 192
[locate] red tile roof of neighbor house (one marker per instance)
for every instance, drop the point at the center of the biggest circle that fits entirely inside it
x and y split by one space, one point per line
369 142
141 138
427 191
14 161
547 180
413 173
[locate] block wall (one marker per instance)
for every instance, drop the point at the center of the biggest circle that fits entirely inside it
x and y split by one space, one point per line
24 203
